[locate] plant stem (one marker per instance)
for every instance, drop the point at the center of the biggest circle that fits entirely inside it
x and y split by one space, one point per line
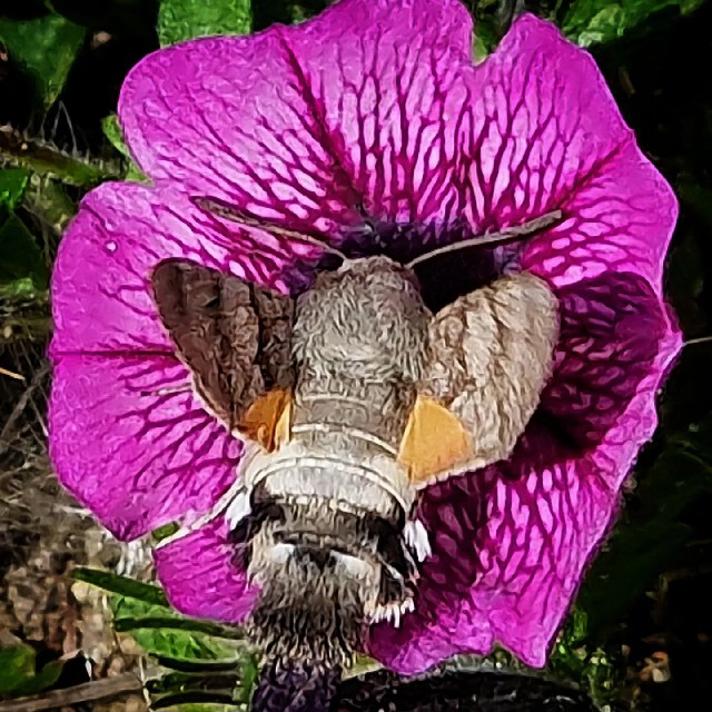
97 690
46 160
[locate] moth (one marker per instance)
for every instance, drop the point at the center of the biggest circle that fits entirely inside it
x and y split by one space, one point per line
350 397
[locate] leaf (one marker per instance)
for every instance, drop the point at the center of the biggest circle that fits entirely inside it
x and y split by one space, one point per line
43 680
112 130
589 22
17 663
143 609
45 48
165 531
17 671
123 585
163 632
23 271
13 182
180 20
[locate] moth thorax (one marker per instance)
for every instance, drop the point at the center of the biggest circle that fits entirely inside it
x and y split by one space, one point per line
318 574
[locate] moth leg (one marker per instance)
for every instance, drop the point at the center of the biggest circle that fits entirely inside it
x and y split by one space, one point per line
399 573
416 537
238 509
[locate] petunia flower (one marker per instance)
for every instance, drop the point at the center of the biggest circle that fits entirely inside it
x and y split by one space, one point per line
371 126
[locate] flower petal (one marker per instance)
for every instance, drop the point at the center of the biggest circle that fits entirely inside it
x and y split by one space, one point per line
134 452
511 542
124 442
548 135
199 578
226 117
305 125
384 79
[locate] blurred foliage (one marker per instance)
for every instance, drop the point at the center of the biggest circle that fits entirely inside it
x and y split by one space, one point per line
589 22
45 48
183 19
19 674
647 593
204 661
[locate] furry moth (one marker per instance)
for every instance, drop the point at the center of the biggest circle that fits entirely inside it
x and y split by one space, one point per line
350 398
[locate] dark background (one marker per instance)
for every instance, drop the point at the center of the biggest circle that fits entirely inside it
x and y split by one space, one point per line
640 634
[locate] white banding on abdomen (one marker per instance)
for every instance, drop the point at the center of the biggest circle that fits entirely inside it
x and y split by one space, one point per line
296 470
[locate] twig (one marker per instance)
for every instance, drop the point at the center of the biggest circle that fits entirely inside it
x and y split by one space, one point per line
96 690
20 406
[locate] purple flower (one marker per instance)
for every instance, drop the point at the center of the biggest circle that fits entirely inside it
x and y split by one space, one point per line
373 111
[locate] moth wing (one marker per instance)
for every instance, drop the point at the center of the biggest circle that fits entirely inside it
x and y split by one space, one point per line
235 338
490 354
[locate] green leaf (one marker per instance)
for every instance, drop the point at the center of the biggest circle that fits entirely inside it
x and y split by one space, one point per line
40 157
23 271
590 22
123 585
163 632
165 531
112 130
17 671
143 609
17 663
13 182
45 48
180 20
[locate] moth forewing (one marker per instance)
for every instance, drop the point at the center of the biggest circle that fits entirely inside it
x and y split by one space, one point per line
490 354
234 337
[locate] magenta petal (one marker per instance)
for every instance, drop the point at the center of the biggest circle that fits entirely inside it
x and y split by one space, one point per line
357 107
227 117
137 458
548 135
128 445
199 578
384 80
511 542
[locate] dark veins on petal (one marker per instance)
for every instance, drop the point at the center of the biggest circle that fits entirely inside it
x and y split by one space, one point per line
611 327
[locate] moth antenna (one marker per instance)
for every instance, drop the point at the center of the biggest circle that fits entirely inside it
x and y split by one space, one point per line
511 234
237 216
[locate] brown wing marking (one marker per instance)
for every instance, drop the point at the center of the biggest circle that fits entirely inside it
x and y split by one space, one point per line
235 338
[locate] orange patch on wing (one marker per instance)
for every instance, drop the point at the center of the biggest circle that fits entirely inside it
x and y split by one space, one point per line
268 420
434 441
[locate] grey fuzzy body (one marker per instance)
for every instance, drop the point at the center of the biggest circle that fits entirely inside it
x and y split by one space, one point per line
358 348
358 345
